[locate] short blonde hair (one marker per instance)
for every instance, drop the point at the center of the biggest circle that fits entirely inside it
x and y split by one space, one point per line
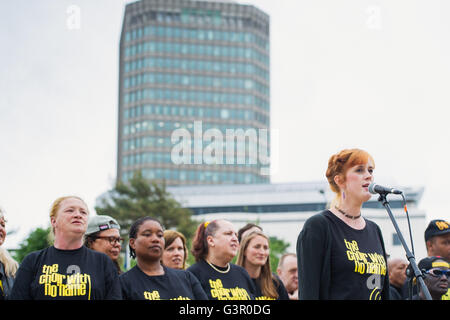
57 203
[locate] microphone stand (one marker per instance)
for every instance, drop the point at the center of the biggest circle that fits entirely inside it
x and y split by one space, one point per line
412 260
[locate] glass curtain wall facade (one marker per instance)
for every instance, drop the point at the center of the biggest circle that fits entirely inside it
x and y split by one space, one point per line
194 92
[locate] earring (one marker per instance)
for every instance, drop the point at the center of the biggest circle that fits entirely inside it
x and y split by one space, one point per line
343 195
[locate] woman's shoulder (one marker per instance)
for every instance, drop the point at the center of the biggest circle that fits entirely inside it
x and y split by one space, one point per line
95 254
371 225
129 273
239 269
318 220
180 273
197 266
97 257
32 256
316 228
374 229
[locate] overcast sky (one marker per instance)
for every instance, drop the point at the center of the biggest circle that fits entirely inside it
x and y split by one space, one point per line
348 73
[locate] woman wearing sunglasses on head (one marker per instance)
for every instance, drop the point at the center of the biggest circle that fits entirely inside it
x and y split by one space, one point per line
103 235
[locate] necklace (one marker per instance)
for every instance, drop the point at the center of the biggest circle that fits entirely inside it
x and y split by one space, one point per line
214 267
348 215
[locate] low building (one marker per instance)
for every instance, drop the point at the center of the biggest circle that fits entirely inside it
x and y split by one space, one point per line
282 209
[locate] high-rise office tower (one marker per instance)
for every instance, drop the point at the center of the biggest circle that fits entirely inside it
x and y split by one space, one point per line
194 92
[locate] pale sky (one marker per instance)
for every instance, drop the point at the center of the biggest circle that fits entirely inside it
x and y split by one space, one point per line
348 73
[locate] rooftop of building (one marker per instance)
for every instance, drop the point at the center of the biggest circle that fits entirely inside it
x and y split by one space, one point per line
267 194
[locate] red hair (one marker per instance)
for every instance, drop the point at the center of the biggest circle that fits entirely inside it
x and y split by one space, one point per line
339 163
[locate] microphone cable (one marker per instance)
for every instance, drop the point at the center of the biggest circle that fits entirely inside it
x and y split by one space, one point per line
409 271
409 223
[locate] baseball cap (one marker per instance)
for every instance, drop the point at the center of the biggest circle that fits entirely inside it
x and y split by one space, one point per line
436 228
100 223
431 262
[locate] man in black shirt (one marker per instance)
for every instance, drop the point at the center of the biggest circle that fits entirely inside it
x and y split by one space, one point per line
436 274
397 278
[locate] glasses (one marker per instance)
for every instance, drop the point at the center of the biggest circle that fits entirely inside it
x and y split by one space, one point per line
112 240
438 272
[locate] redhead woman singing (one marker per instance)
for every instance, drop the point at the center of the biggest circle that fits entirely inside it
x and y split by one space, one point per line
341 254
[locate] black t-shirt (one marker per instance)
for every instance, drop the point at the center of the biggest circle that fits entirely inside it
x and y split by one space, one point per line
1 283
6 283
279 286
53 274
172 285
358 265
234 284
397 293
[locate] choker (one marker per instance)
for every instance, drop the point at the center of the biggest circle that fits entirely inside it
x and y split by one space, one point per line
216 268
347 215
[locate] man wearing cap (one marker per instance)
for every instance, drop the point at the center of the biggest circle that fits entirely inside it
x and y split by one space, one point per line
437 240
103 235
436 272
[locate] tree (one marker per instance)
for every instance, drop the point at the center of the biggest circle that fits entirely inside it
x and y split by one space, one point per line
38 239
127 202
277 249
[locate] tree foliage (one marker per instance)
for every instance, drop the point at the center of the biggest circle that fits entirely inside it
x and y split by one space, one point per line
38 239
277 249
127 202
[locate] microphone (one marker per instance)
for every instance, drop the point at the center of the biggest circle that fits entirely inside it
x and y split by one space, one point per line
377 189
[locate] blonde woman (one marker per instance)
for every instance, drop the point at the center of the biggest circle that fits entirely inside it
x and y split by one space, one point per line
68 270
8 266
254 257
